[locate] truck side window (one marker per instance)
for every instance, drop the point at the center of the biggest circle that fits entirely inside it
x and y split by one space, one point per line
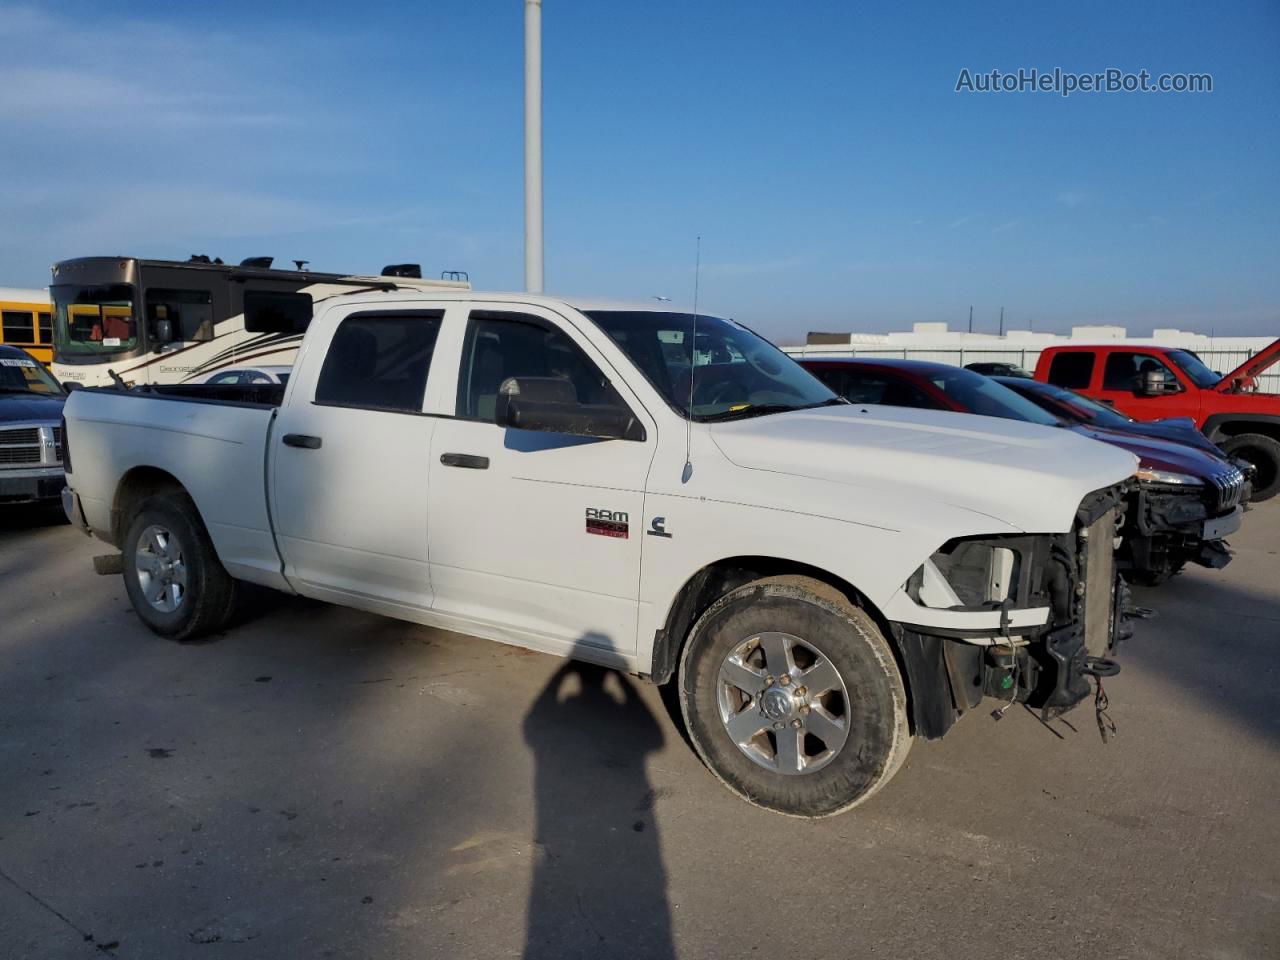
1072 370
502 345
380 361
1123 370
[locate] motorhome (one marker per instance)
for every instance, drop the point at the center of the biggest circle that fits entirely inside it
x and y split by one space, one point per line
168 321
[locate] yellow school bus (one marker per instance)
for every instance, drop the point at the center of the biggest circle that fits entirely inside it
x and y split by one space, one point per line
26 321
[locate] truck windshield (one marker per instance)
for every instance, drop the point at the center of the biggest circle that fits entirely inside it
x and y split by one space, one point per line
94 320
22 374
1194 368
730 372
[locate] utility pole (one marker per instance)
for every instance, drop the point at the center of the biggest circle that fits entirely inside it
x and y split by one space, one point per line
1002 321
533 146
971 319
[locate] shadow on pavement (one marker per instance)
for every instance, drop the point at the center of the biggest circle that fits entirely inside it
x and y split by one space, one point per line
599 886
16 517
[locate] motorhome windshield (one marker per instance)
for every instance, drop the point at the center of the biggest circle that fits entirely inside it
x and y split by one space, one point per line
94 320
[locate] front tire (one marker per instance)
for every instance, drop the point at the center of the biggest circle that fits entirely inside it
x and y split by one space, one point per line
172 574
1264 453
793 699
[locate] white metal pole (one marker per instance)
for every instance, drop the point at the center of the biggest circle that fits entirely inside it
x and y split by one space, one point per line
533 146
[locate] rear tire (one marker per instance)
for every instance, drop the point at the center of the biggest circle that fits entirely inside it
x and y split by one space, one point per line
172 574
1264 453
831 734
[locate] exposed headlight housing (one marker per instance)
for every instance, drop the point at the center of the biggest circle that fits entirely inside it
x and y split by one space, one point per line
969 574
1151 475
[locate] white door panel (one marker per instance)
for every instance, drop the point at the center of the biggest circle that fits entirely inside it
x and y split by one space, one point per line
351 453
546 536
511 544
354 516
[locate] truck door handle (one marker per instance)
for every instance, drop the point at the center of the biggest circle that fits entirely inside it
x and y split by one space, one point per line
302 440
467 460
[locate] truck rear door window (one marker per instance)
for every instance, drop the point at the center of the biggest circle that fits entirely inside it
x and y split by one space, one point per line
1071 370
380 361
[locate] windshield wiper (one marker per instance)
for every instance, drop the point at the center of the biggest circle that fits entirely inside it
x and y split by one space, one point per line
17 390
762 409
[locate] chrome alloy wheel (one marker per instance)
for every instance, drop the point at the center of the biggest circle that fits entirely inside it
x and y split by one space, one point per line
783 703
162 574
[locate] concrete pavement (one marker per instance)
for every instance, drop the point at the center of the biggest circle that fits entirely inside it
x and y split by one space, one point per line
325 783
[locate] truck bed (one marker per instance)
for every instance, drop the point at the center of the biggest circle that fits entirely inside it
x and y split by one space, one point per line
254 395
210 439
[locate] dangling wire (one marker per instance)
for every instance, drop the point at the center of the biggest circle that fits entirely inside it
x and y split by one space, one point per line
1106 726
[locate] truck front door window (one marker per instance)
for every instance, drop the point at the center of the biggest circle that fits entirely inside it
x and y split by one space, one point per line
499 347
1124 371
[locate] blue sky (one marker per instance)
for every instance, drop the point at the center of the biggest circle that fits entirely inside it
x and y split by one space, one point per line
837 179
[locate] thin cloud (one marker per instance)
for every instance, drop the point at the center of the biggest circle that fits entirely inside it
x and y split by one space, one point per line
1073 198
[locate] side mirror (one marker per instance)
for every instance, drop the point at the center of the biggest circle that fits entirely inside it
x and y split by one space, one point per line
163 333
1153 383
550 405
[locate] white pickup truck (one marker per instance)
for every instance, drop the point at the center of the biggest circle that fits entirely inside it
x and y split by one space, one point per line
823 580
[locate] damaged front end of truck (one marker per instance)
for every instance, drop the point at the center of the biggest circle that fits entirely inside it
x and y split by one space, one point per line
1174 519
1063 609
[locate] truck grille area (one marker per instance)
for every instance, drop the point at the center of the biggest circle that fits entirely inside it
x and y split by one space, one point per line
30 446
1225 490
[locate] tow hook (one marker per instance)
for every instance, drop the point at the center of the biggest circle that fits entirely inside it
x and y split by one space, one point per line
1100 667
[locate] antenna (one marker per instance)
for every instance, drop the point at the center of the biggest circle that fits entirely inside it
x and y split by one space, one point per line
693 367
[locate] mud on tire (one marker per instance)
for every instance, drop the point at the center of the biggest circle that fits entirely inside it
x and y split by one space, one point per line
840 668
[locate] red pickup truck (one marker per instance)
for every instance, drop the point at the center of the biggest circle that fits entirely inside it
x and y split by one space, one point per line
1154 383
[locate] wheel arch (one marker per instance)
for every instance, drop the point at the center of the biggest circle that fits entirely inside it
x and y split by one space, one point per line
930 709
1220 426
134 487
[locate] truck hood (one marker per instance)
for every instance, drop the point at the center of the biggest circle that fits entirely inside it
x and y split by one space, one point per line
1159 454
1250 369
1181 430
1030 477
26 407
